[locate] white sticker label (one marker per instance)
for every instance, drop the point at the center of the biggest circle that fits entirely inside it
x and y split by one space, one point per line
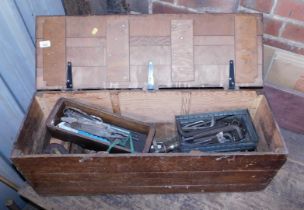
44 44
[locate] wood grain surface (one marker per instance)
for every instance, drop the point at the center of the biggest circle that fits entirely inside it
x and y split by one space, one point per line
150 41
90 26
89 77
213 24
154 178
284 192
149 26
187 50
54 56
148 163
182 50
246 49
118 49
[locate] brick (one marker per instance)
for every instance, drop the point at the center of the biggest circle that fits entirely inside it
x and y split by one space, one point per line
210 5
259 5
283 45
271 26
162 8
294 32
290 8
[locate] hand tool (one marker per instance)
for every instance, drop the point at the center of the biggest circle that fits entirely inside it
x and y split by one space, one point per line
201 124
164 145
65 126
151 84
228 128
77 121
80 115
219 131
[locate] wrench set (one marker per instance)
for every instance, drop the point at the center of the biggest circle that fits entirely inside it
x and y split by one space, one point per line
217 132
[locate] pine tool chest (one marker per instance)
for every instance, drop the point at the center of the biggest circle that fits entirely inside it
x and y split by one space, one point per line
160 71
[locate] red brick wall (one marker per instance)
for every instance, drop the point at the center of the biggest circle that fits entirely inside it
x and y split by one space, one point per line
283 22
283 19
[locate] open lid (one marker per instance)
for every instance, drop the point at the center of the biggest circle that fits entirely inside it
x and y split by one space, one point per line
186 50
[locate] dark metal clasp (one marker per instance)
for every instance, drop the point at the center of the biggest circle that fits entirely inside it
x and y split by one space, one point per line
69 78
231 75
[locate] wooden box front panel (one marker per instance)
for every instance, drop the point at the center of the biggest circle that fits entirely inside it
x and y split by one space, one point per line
113 51
148 173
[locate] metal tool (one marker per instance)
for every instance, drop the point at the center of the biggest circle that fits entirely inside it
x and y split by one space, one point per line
231 75
99 130
219 131
92 127
151 83
164 145
69 76
200 124
78 115
225 129
188 128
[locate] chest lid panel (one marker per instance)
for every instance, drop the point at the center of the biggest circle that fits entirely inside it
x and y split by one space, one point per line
187 50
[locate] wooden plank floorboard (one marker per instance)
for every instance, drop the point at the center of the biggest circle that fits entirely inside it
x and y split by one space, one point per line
284 192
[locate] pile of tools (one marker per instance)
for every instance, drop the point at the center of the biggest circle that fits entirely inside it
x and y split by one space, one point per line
209 132
76 121
217 132
80 122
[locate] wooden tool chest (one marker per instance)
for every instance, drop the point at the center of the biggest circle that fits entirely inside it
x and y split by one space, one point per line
110 56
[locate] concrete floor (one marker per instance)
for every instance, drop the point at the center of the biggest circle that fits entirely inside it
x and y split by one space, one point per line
286 192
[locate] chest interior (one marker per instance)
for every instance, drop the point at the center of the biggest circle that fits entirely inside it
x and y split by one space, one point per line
159 108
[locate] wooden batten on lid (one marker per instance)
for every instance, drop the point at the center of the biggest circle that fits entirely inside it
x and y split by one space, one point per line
114 51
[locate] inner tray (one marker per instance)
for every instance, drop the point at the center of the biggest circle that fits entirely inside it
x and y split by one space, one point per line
248 143
142 133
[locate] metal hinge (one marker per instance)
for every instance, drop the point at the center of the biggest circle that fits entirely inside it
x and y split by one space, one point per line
231 76
69 77
151 82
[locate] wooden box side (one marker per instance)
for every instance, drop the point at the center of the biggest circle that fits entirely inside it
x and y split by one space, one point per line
268 129
32 133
